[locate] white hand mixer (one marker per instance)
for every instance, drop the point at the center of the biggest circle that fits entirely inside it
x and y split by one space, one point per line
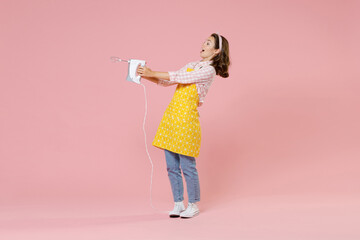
133 65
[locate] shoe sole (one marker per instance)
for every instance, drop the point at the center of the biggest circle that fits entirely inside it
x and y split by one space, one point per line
192 216
175 215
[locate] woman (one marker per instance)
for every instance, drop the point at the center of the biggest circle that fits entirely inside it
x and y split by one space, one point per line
179 132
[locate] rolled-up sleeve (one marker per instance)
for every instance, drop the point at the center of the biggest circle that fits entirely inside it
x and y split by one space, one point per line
166 83
197 76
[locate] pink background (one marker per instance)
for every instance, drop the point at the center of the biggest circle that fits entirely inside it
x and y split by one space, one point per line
283 128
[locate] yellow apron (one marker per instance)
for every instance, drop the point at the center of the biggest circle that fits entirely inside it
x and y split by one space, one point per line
179 130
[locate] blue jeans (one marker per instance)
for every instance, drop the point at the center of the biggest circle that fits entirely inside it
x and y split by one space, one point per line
188 166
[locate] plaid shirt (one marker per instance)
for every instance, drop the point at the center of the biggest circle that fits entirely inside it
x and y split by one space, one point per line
203 75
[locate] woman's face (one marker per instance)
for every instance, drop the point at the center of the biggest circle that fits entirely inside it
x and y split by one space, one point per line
208 50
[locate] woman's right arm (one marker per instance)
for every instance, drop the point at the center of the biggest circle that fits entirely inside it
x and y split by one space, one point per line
164 83
159 82
152 79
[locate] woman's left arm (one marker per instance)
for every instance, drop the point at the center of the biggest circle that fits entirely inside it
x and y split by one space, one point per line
148 73
202 75
161 75
198 76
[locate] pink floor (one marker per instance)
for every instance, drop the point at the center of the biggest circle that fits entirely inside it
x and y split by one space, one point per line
262 217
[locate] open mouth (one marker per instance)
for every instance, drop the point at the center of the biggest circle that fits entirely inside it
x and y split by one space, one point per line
202 50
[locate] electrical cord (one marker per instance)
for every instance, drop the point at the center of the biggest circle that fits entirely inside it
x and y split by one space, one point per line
152 165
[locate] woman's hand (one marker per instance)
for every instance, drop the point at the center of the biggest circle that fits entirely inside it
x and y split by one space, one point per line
144 71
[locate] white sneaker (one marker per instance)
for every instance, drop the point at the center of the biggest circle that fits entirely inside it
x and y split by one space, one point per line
178 208
191 211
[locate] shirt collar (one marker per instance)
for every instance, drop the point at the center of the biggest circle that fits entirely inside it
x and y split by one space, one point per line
203 63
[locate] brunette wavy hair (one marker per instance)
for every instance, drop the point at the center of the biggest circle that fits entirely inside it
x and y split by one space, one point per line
221 61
